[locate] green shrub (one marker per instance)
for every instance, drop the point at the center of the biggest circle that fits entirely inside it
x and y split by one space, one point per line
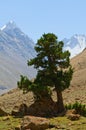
80 108
24 84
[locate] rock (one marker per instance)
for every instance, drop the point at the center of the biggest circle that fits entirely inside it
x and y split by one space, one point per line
3 113
18 127
72 111
34 123
73 117
6 118
20 110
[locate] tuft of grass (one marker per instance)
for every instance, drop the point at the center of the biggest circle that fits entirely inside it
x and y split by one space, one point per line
9 123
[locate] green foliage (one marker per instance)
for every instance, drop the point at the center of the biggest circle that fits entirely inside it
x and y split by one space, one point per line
39 92
52 63
69 106
24 84
80 108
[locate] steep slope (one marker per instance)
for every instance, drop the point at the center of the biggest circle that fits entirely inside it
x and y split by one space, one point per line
75 44
79 65
77 89
15 49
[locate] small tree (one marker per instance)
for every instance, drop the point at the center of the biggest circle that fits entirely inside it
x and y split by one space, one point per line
53 66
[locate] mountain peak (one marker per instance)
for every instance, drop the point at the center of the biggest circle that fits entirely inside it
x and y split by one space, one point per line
11 21
10 25
12 30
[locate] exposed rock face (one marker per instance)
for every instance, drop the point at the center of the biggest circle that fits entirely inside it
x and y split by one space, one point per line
34 123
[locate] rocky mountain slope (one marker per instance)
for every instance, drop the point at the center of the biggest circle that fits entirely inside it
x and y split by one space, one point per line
15 49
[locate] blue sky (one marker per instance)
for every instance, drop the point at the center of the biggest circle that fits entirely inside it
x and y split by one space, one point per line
35 17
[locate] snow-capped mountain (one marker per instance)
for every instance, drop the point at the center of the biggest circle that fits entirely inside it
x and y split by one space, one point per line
75 44
15 49
13 39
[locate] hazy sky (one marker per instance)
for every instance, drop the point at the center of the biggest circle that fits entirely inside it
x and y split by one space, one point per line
35 17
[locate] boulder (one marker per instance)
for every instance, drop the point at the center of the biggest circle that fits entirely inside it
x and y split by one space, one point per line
18 127
3 113
73 117
34 123
72 111
19 110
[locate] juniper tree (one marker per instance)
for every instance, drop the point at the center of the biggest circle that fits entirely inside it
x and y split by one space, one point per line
53 67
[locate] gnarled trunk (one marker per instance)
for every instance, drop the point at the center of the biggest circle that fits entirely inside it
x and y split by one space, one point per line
60 103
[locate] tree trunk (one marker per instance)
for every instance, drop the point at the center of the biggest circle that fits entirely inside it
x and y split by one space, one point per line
60 104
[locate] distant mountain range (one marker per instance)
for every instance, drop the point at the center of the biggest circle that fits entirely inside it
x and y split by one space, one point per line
75 44
16 48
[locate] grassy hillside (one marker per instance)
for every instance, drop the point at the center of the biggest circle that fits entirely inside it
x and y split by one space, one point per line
76 92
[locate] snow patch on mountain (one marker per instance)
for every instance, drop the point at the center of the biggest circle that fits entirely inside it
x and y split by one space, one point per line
3 27
75 44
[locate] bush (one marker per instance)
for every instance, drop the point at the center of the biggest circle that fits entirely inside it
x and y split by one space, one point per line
80 108
24 84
